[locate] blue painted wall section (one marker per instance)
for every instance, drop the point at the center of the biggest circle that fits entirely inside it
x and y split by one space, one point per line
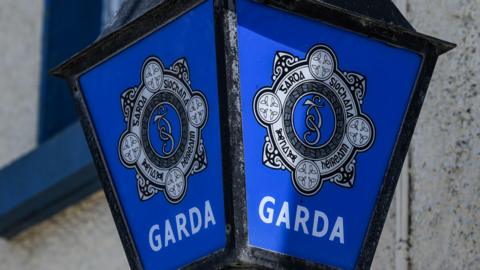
56 174
390 77
60 171
152 219
69 26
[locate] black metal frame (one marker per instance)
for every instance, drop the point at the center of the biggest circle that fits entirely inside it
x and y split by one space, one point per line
238 253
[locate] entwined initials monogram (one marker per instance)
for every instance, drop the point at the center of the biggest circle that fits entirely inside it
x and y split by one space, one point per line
313 113
164 129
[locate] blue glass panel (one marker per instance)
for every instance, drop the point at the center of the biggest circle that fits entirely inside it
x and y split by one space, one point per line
323 107
155 110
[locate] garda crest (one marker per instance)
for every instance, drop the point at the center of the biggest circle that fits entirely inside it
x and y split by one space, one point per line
163 140
315 125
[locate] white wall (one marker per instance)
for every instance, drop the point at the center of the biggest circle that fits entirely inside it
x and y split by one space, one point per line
20 39
445 152
80 237
83 236
445 233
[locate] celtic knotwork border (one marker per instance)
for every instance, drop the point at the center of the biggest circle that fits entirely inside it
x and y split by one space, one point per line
128 101
284 61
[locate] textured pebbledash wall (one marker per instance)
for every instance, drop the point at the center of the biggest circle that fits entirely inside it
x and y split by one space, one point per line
80 237
445 230
445 153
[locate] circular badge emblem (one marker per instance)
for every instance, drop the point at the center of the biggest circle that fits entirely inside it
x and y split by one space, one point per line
153 76
130 148
163 140
307 176
313 116
268 107
321 64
